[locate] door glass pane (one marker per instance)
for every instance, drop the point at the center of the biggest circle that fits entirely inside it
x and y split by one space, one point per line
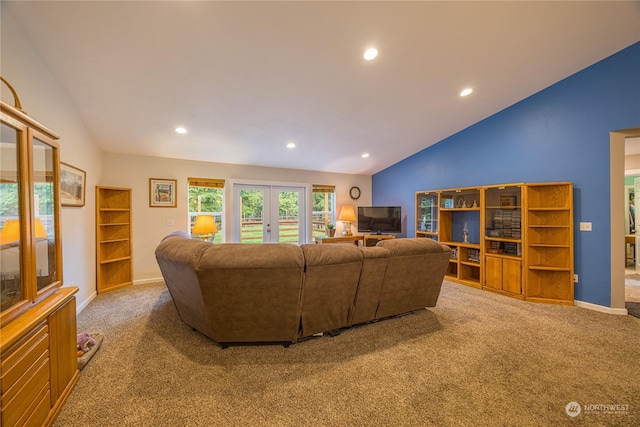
10 249
289 216
252 227
44 213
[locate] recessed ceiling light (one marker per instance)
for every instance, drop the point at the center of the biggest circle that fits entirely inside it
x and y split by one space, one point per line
181 130
466 92
365 155
370 53
291 145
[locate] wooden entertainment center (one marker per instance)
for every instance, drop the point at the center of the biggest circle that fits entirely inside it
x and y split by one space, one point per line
512 239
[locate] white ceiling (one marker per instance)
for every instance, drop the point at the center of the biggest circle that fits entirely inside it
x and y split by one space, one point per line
245 78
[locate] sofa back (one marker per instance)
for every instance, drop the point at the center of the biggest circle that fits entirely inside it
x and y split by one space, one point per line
414 275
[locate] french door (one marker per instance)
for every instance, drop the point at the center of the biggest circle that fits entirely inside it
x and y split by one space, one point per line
269 214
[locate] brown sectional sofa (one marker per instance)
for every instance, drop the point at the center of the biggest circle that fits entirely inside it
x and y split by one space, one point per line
239 293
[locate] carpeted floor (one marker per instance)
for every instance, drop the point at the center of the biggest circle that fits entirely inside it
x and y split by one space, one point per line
476 359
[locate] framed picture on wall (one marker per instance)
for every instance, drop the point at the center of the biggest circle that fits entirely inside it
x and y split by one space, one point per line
72 185
162 193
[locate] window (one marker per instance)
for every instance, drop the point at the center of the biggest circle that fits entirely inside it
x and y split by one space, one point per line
206 197
324 208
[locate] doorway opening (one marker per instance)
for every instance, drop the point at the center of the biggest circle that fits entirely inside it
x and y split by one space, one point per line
620 231
632 233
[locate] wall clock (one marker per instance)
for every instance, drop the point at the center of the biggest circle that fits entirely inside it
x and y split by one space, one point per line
354 192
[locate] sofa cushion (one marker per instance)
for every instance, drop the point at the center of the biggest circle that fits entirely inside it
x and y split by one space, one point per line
252 291
374 265
414 274
331 279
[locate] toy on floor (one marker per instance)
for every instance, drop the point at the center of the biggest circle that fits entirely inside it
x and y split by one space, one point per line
85 342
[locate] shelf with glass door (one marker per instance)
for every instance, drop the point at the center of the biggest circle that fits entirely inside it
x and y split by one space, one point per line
427 214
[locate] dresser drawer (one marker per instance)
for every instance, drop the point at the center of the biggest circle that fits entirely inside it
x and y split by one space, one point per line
22 355
38 411
25 377
24 391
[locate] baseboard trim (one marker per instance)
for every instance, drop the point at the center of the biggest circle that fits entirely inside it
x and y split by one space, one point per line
85 303
81 306
145 281
602 308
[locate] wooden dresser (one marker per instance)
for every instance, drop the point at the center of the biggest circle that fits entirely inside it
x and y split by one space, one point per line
39 365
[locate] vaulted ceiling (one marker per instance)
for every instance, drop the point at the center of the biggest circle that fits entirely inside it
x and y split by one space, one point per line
247 78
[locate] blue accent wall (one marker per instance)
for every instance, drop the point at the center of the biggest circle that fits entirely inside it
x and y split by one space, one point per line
558 134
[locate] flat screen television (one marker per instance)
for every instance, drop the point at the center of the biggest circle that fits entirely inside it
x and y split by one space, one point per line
379 219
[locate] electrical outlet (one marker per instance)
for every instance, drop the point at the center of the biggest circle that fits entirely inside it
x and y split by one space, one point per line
575 278
585 226
169 222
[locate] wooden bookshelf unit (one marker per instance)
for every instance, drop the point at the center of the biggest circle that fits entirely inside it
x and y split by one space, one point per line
459 215
503 240
549 243
113 238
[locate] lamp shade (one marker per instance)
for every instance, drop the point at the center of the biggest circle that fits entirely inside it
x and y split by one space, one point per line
40 231
347 213
11 231
205 224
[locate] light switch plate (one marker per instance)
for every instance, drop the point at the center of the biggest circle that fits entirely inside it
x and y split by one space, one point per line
585 226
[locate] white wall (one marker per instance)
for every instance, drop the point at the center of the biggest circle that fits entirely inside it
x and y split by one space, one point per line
149 224
44 101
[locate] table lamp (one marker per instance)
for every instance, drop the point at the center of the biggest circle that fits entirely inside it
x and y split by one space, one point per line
347 216
11 231
205 227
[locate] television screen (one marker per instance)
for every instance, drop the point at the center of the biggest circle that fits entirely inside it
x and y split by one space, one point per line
379 219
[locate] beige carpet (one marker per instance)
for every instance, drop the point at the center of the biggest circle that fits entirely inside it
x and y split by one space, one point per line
478 359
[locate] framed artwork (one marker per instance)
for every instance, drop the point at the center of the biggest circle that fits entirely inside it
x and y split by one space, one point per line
162 193
72 185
